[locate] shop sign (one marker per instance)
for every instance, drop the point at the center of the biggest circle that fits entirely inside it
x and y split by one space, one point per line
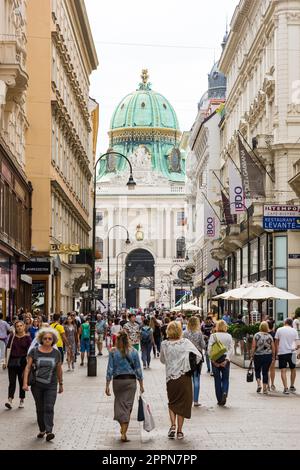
281 217
294 255
281 211
64 249
34 267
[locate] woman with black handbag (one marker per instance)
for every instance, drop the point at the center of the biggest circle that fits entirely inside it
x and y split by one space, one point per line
16 352
263 353
194 334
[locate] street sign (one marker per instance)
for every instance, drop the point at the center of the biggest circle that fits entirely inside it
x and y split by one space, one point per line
294 255
281 217
111 286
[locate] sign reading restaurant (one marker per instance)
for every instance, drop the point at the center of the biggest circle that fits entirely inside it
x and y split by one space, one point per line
281 217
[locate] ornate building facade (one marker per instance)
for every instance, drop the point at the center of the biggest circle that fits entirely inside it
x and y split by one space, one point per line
59 148
262 65
144 128
203 169
15 189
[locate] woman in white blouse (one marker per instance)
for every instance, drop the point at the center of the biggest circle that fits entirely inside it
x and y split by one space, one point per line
175 354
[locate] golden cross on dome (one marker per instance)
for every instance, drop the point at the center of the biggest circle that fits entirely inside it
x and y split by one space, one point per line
145 76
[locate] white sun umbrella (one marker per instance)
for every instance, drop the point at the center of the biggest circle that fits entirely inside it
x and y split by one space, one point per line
186 307
234 294
261 290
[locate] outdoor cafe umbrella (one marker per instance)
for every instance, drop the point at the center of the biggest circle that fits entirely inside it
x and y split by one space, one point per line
188 307
261 290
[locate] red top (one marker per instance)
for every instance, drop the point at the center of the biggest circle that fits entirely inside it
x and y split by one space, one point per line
20 346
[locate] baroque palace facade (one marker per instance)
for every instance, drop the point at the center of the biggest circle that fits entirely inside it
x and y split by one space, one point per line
144 128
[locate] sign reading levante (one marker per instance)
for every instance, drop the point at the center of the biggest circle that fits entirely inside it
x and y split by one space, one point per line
281 217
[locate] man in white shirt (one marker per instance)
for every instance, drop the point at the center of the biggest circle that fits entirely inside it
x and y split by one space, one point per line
285 343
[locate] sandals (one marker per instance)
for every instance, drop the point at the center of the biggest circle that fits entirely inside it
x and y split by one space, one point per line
258 389
172 432
180 435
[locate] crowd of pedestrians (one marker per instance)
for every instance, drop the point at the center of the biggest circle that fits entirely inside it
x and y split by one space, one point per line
33 352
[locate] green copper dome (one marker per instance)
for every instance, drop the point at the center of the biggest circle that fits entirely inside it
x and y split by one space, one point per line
144 108
145 129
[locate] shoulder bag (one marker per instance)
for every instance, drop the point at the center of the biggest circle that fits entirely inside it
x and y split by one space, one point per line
217 349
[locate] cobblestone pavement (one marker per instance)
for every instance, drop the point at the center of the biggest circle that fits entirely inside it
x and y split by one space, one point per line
84 416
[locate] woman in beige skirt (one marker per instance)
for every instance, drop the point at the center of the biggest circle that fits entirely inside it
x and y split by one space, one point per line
175 354
124 369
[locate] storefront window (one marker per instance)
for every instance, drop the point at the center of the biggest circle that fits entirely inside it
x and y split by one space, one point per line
280 275
38 295
263 257
254 260
238 266
245 264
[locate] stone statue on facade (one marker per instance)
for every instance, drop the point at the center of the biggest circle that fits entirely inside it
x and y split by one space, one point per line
141 158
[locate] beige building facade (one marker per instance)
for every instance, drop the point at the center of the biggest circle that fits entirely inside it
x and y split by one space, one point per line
261 61
59 146
15 188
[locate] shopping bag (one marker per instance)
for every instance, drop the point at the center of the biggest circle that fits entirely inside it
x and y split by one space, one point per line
149 424
140 415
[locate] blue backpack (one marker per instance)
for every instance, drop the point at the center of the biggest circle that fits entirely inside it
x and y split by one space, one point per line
146 335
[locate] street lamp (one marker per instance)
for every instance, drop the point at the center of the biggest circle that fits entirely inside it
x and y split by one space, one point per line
92 360
117 281
108 263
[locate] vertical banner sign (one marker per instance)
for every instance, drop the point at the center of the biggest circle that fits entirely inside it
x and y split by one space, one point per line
229 218
237 195
211 223
252 177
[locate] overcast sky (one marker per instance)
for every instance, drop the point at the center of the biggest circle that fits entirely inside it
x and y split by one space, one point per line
176 40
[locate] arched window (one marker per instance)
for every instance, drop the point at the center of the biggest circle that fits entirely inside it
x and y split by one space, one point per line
180 248
99 248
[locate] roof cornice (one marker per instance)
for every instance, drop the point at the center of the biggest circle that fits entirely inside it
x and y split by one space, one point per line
80 12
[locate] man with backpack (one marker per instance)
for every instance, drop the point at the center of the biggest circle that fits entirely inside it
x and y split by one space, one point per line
147 341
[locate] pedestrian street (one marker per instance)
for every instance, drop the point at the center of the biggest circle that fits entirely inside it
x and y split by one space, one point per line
84 416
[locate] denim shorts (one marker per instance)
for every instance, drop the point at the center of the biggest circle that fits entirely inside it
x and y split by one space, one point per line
85 345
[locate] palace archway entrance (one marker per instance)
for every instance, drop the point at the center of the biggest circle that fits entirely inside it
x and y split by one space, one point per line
139 278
